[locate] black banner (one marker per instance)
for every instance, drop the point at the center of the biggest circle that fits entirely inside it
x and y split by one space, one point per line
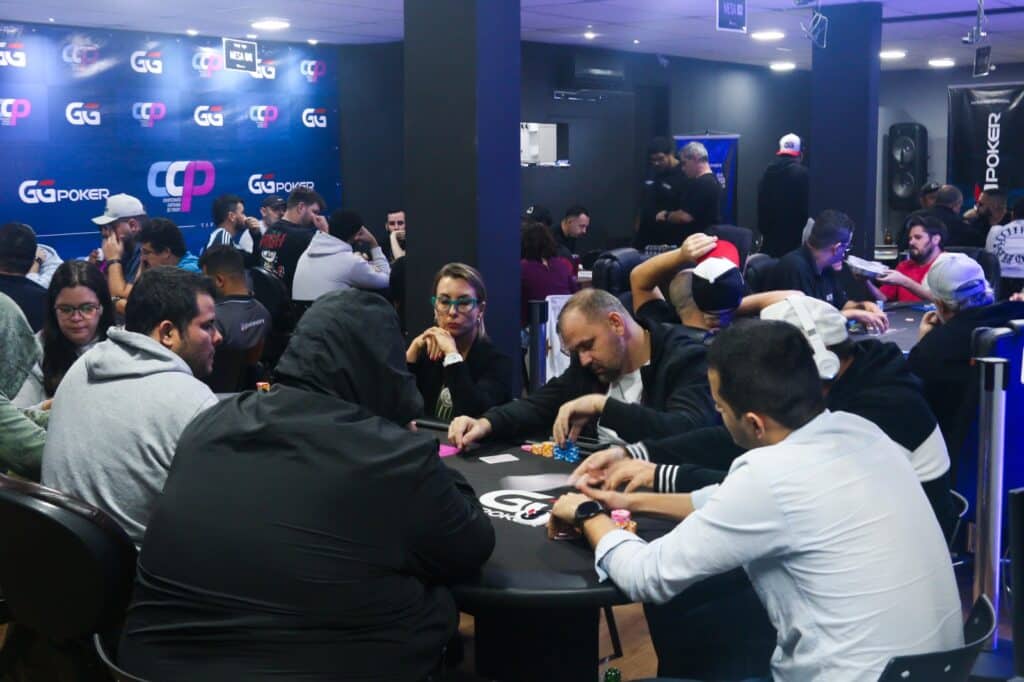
986 138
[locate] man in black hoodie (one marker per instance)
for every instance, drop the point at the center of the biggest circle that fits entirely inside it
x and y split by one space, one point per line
782 199
662 192
304 533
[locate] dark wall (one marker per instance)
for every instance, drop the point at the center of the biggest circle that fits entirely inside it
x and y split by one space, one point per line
606 139
370 83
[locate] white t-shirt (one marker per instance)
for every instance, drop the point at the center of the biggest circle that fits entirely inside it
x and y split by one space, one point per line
629 389
1007 243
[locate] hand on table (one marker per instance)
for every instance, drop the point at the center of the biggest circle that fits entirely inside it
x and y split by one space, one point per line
565 507
634 473
594 469
872 307
575 414
611 499
874 323
465 430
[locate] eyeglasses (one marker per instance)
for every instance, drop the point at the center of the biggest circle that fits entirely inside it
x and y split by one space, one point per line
85 310
463 304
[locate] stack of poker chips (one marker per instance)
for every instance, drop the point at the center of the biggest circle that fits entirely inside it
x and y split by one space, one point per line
545 449
570 453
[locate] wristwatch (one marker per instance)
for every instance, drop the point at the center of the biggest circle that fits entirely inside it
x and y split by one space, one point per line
451 359
588 510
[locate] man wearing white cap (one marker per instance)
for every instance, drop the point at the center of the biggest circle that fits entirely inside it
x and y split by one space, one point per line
782 200
122 220
942 356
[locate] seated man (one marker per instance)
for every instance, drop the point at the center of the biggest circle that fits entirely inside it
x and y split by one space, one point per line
926 236
123 218
810 269
637 378
160 243
304 533
942 356
243 322
17 256
823 513
119 411
330 262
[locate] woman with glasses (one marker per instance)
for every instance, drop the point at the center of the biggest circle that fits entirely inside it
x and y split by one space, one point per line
78 316
22 431
457 368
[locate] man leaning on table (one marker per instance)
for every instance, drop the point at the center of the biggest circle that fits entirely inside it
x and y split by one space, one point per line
822 512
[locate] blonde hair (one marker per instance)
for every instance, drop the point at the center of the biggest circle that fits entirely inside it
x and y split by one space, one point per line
470 275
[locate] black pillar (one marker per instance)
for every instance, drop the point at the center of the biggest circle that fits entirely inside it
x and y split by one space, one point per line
844 118
462 154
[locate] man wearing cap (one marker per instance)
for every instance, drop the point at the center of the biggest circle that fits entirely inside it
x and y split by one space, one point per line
17 254
782 198
942 357
661 193
271 210
122 220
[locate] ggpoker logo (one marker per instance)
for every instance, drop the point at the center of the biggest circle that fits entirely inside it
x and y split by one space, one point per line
45 192
267 183
207 115
13 110
518 506
265 69
178 182
148 113
263 115
83 113
13 54
147 61
80 54
312 69
207 62
314 118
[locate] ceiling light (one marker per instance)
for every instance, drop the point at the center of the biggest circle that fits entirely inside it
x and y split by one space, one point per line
191 31
782 66
252 36
270 24
51 20
892 54
312 41
635 41
589 35
768 35
941 63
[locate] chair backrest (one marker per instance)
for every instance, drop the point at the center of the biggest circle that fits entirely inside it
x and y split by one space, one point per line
960 507
949 666
740 237
229 368
611 270
759 268
988 262
105 653
269 290
67 568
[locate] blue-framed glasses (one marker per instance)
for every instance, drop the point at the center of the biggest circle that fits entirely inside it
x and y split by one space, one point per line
462 304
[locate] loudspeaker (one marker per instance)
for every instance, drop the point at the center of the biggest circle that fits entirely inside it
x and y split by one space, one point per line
907 164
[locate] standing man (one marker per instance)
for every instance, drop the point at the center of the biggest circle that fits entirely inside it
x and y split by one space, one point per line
395 225
782 198
699 206
989 211
660 193
229 217
271 211
124 217
284 243
948 203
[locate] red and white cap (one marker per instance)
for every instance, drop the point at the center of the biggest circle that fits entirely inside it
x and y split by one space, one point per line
789 145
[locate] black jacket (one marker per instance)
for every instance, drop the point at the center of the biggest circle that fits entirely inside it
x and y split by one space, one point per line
782 199
877 386
302 536
676 394
481 381
282 246
959 231
663 191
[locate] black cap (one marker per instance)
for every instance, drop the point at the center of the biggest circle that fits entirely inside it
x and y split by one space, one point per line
17 247
539 213
717 285
274 201
929 188
344 224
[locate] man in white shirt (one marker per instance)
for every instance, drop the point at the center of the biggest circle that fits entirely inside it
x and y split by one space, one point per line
330 263
823 513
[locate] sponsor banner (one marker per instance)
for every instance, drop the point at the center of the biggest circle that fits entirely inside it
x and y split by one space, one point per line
518 506
86 113
986 139
723 151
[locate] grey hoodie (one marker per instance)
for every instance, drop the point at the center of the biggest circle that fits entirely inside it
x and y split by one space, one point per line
330 264
115 423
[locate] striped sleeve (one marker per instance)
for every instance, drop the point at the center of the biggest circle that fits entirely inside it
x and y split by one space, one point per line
638 451
665 478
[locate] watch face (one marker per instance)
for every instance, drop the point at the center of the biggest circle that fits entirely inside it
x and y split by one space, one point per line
587 509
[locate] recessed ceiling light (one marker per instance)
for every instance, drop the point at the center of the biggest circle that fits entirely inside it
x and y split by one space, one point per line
635 41
782 66
312 41
51 20
589 35
590 26
270 24
191 31
768 35
941 63
252 36
892 54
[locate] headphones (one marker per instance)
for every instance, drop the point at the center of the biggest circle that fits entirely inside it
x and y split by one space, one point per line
827 361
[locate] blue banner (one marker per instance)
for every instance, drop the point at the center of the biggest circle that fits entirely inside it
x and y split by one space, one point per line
88 113
723 153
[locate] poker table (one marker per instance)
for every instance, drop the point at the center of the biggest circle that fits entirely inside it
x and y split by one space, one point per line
904 320
536 602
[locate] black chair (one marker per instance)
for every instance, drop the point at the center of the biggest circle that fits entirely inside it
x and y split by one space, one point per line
953 665
611 270
269 290
740 237
102 650
759 268
988 262
67 570
960 508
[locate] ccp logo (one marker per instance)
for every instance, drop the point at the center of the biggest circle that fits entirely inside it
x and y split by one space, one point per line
207 116
146 62
207 62
12 54
263 116
43 191
80 55
314 118
83 113
169 186
312 69
148 113
13 109
264 69
266 184
518 506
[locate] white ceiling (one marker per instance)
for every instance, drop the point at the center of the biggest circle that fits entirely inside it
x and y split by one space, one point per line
672 27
